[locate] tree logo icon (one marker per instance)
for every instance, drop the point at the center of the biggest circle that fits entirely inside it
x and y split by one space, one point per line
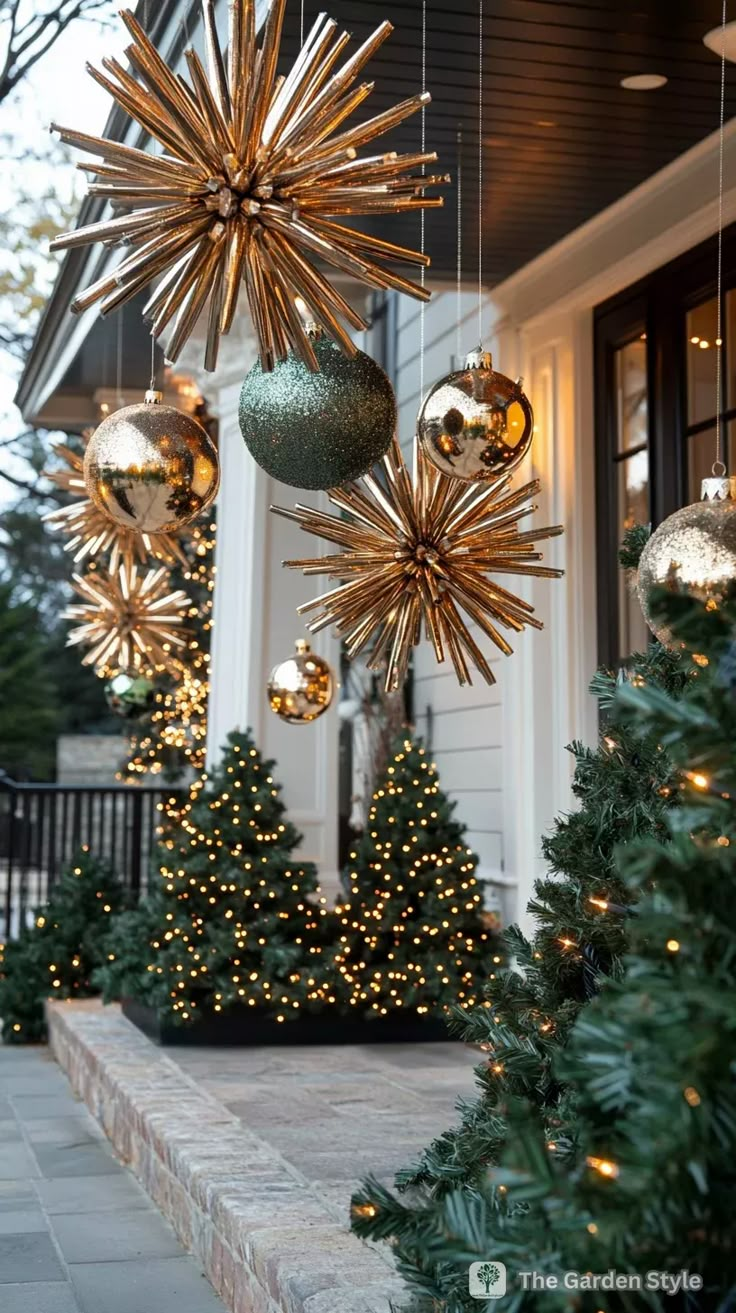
487 1280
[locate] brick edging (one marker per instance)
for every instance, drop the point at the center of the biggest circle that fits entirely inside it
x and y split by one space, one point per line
264 1239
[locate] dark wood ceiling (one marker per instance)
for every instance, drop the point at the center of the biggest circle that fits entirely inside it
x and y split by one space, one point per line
562 139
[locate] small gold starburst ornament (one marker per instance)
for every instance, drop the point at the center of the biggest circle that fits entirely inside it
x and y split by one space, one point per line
129 620
418 551
90 533
254 171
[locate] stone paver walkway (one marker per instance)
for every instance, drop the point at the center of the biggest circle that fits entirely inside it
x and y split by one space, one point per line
77 1232
336 1114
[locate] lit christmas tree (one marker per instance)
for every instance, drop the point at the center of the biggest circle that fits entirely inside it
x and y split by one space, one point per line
172 738
639 1175
57 955
234 918
413 936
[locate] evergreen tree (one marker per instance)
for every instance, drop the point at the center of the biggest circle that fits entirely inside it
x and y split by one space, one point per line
57 955
625 789
28 709
414 935
232 919
642 1178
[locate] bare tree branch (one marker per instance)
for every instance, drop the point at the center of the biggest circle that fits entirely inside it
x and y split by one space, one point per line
28 44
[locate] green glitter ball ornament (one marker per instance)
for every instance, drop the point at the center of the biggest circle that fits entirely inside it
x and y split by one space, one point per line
318 430
129 695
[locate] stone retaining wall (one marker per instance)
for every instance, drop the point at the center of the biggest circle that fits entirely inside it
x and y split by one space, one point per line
264 1239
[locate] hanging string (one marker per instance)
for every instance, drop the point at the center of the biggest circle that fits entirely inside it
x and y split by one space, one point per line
421 212
480 173
301 26
153 363
459 293
719 466
119 374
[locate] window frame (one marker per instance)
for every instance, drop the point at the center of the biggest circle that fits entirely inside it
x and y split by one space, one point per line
656 305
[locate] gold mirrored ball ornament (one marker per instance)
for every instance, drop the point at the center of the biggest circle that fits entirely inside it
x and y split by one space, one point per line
301 688
692 552
151 467
475 423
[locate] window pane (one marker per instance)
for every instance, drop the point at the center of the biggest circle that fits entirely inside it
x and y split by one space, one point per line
631 394
701 326
701 453
633 508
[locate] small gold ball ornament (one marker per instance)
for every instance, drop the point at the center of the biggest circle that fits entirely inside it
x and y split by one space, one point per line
151 467
301 688
692 551
476 424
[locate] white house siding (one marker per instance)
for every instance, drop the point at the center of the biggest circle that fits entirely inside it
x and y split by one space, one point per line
463 726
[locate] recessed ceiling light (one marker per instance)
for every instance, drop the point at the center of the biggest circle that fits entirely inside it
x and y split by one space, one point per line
716 43
644 82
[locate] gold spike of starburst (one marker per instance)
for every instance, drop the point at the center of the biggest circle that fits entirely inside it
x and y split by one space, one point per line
129 620
255 171
416 553
91 535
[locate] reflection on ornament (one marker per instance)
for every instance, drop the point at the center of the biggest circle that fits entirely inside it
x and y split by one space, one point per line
692 551
129 694
151 467
416 553
475 424
318 430
253 166
301 688
90 532
128 620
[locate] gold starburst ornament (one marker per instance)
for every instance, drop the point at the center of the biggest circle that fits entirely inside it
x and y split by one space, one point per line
253 173
417 553
129 621
90 533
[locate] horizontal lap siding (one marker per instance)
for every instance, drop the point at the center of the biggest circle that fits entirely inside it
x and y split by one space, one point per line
464 727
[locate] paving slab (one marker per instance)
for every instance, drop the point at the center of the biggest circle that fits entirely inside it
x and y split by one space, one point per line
166 1285
68 1208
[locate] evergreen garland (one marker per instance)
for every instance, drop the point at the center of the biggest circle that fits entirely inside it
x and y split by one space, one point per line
625 788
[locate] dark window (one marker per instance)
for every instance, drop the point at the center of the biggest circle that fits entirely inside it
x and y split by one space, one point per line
655 366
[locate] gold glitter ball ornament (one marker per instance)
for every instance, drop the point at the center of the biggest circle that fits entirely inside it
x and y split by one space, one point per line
418 550
253 181
301 688
692 551
475 423
151 467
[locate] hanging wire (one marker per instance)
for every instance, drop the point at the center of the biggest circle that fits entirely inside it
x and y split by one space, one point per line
480 173
119 371
421 212
719 466
301 26
153 363
459 293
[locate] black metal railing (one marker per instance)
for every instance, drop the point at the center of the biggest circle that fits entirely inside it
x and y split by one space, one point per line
43 826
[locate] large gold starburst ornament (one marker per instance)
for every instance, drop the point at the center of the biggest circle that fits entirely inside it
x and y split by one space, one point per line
129 620
255 168
418 552
90 534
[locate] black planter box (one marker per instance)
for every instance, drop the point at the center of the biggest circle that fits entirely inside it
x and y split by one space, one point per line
245 1027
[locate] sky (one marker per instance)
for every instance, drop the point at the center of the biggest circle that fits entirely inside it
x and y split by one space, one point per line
58 89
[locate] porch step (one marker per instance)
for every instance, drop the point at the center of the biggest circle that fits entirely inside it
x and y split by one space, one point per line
264 1238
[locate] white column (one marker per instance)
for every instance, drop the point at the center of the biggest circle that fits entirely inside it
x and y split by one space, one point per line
255 620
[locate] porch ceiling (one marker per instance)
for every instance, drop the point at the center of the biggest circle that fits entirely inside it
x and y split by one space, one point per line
562 138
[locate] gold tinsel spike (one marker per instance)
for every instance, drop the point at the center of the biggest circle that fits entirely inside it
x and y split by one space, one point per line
253 169
127 619
417 553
